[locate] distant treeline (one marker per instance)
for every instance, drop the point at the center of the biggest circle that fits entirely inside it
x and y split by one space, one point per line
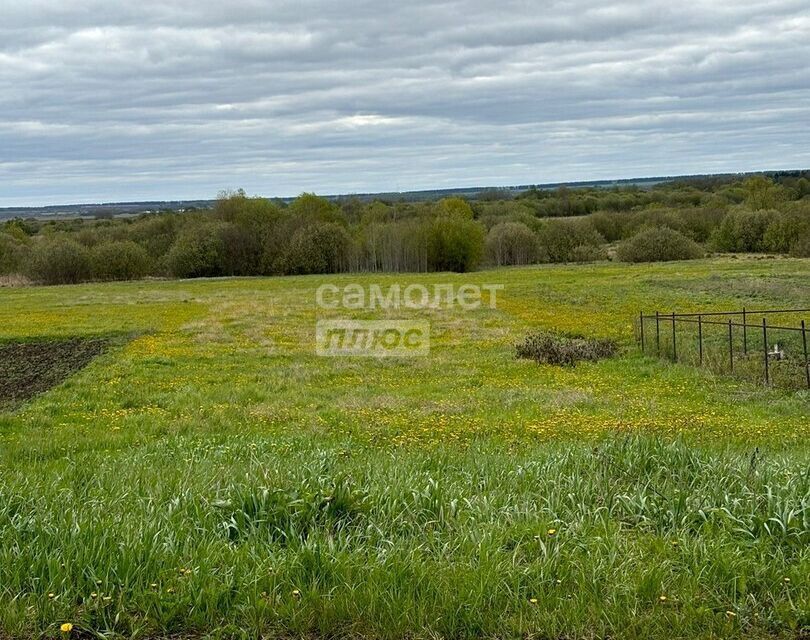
244 235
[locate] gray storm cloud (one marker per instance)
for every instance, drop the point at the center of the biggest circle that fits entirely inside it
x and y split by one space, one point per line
142 100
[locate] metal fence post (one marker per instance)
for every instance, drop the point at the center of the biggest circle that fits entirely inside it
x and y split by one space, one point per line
765 348
806 362
699 318
657 335
730 348
641 324
674 343
745 335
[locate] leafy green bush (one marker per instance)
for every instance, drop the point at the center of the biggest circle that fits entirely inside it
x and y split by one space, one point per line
743 230
119 261
317 248
455 207
255 213
560 238
197 252
13 254
20 228
786 231
156 232
696 224
309 209
59 260
455 244
762 193
801 247
566 350
242 250
512 243
587 253
610 225
658 245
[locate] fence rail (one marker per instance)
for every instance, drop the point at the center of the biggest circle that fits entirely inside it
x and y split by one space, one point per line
794 341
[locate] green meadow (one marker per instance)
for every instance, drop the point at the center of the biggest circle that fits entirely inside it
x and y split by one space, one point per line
209 475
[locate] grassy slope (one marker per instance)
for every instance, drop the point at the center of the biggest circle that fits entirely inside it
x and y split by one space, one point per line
196 478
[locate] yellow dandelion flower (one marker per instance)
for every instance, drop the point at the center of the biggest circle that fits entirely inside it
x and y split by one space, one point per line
551 532
533 600
66 627
662 598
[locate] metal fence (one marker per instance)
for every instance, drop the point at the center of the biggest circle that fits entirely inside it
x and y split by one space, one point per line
744 343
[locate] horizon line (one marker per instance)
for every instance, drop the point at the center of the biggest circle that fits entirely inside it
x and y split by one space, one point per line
367 194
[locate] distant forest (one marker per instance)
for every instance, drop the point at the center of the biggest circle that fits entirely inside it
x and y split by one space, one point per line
242 235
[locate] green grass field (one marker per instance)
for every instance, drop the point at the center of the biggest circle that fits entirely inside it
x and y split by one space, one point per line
212 476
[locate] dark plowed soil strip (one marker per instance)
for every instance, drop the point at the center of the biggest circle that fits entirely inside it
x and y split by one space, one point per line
31 368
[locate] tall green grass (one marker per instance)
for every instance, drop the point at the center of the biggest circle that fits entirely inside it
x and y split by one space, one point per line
247 536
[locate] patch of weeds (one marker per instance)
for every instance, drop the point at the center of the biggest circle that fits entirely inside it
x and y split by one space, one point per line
290 514
564 350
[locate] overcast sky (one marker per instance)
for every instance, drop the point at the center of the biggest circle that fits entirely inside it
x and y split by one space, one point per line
104 100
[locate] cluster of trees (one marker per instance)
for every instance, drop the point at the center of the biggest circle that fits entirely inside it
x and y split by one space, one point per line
244 235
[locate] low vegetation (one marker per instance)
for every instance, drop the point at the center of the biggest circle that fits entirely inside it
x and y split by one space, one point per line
546 348
214 477
244 235
658 245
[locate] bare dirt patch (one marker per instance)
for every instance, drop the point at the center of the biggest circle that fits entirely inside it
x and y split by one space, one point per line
34 366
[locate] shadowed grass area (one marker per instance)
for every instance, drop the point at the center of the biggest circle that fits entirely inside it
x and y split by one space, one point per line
214 477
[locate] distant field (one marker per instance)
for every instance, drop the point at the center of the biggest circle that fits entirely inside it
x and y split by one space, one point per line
214 476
